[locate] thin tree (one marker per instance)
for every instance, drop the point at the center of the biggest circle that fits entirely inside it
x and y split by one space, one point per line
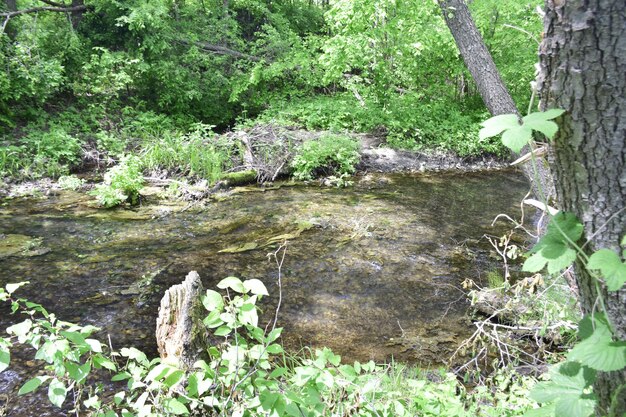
489 83
583 70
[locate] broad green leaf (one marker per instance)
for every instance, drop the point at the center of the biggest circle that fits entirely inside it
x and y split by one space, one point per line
136 354
255 286
547 127
233 283
78 372
222 331
611 267
567 223
174 406
544 115
598 350
5 357
173 378
498 124
212 300
213 319
535 263
11 288
102 362
516 138
57 392
566 390
274 349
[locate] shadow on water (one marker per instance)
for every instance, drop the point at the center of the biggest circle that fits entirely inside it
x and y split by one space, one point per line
376 275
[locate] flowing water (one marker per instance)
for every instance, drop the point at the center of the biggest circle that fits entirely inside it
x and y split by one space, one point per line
373 271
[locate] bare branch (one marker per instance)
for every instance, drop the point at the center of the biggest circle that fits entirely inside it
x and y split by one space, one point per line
220 50
9 15
54 3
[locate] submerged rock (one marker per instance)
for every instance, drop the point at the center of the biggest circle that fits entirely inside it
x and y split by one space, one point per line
21 245
181 337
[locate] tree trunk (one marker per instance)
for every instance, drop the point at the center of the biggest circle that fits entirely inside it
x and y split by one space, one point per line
583 67
477 58
492 89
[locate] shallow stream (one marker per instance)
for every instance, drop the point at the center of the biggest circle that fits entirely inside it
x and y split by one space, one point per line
373 271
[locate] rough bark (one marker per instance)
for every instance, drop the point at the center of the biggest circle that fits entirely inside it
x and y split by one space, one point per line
180 334
583 67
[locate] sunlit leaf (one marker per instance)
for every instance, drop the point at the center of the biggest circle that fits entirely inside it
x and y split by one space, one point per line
233 283
57 392
498 124
516 138
212 300
255 286
611 267
598 350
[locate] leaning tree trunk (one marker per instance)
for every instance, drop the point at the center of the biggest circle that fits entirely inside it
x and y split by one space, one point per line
583 70
477 57
490 85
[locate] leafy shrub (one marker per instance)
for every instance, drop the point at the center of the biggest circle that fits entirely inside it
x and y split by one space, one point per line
41 152
199 153
330 154
122 183
70 182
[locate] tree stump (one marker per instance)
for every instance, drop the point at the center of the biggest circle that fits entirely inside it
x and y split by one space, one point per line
181 336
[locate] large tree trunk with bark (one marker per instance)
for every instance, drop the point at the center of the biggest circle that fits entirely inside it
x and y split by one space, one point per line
491 87
583 70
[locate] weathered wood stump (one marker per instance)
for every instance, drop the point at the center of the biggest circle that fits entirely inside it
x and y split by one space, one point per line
180 334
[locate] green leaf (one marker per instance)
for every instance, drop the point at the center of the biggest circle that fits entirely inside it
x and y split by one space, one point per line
610 266
222 331
535 263
566 389
516 138
136 354
57 392
102 362
174 406
233 283
32 384
544 115
173 378
498 124
212 300
5 357
255 286
274 349
598 350
548 128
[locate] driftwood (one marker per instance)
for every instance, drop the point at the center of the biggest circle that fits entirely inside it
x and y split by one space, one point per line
180 334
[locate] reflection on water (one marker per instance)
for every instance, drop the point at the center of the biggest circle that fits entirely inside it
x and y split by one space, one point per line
376 273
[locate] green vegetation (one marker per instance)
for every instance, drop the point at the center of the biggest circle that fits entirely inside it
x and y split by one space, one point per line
119 77
330 154
248 374
122 183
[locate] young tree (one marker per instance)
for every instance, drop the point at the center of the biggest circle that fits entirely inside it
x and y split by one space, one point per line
583 67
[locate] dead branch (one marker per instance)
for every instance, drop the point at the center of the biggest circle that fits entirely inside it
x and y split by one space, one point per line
69 9
219 50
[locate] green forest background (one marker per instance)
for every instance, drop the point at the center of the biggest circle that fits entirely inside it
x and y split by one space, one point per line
121 75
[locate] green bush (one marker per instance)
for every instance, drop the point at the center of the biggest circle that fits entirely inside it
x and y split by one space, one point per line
199 153
330 154
122 183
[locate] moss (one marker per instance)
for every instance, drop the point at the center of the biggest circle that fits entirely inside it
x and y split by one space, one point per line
239 178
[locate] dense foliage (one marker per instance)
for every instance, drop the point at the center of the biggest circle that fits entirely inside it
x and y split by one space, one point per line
99 80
